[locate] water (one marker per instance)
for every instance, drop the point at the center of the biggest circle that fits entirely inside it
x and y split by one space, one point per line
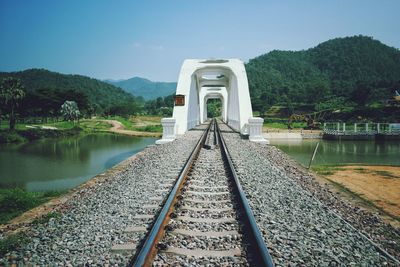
59 164
342 152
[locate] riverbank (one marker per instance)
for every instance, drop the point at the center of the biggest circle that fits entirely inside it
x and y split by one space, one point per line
15 233
140 126
57 203
31 134
93 217
15 201
371 222
35 172
376 188
294 134
119 128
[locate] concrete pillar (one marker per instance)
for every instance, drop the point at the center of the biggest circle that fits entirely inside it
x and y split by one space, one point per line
255 130
168 125
324 126
344 126
355 127
338 126
378 127
366 127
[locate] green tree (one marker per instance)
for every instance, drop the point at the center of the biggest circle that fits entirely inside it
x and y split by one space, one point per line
289 105
214 107
11 93
318 90
70 111
361 94
259 105
125 110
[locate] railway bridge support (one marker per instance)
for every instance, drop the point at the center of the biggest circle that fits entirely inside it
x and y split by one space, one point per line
201 80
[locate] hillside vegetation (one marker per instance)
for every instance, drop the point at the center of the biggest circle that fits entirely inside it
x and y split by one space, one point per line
46 91
347 74
145 88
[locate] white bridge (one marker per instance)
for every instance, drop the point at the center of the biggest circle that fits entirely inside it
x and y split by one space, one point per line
200 80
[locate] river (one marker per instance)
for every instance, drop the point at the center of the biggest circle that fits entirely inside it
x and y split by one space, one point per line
341 152
60 164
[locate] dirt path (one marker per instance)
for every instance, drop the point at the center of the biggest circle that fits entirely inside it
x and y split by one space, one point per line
119 128
378 184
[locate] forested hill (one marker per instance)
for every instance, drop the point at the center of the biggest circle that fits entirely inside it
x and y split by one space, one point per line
40 83
145 88
351 71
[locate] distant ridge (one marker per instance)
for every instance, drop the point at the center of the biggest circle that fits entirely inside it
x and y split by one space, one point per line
143 87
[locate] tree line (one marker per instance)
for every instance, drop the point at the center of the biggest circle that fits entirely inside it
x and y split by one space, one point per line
51 104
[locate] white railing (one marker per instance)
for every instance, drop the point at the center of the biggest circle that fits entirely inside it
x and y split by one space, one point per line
342 128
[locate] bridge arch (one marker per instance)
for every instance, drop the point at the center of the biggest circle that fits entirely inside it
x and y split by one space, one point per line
207 93
200 80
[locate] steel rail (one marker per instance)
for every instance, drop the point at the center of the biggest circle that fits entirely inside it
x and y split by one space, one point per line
260 254
148 251
215 133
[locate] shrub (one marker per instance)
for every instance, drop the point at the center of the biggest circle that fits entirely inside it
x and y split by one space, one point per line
15 201
150 128
10 137
46 218
12 242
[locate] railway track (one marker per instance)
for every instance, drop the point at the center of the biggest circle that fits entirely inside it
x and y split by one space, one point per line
206 219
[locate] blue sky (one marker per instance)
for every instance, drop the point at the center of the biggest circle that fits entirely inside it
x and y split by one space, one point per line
121 39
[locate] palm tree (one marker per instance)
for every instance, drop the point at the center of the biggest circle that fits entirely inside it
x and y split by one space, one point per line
11 93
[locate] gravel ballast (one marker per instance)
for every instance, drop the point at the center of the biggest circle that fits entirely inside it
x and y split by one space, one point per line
297 227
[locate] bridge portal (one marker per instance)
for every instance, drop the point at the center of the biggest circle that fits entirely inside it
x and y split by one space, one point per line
200 80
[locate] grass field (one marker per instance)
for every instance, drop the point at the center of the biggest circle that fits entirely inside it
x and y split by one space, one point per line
141 123
138 123
94 125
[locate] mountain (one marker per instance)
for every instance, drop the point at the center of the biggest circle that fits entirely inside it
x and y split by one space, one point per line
351 71
145 88
98 93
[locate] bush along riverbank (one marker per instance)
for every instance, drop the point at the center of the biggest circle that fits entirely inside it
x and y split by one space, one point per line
19 136
15 201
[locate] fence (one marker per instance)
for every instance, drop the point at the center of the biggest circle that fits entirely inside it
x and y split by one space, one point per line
343 128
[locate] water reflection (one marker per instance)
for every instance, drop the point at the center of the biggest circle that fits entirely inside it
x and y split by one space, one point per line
342 152
56 164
